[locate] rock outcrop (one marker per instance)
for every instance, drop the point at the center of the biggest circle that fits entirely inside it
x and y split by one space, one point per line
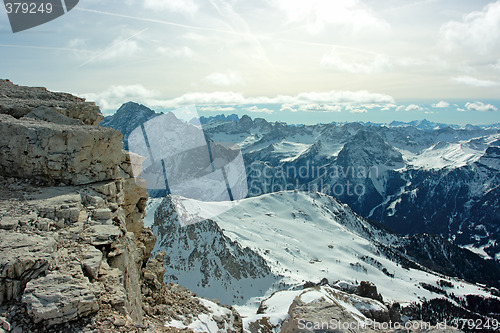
73 248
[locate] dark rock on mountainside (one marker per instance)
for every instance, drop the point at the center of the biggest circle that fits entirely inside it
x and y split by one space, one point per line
127 118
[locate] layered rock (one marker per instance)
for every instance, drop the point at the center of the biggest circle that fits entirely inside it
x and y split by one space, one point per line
72 240
54 153
19 101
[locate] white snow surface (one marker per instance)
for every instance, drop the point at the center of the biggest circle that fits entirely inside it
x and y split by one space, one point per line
309 236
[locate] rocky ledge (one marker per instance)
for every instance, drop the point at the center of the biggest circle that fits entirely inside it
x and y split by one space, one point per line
74 253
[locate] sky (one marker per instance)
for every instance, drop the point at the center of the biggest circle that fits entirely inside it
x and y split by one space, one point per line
298 61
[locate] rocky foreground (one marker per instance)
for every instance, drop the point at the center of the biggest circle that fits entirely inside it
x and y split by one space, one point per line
74 253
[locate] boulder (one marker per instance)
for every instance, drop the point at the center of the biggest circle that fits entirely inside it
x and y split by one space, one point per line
59 298
52 115
91 261
102 234
22 258
19 101
54 154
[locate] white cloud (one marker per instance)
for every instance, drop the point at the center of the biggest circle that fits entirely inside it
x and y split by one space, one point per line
231 98
352 109
178 6
496 66
287 108
388 107
113 97
371 64
317 14
257 109
480 106
441 104
227 79
120 49
179 52
314 107
478 31
216 108
332 97
472 81
413 107
461 110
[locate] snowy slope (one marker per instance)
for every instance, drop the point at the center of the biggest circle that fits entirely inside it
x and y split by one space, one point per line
301 237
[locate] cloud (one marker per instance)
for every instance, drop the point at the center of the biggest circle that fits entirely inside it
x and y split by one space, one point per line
224 79
353 109
318 14
288 108
311 107
478 31
177 6
371 64
413 107
178 52
441 104
216 108
232 98
113 97
257 109
330 101
120 49
472 81
388 107
480 106
496 66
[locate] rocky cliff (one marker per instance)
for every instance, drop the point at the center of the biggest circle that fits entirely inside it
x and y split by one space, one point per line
74 253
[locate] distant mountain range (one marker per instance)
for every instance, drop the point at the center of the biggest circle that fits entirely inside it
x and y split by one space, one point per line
417 177
317 224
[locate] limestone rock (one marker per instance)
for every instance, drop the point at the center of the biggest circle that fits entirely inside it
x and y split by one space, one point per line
8 223
52 115
18 101
22 258
102 214
102 234
91 261
327 305
58 153
59 298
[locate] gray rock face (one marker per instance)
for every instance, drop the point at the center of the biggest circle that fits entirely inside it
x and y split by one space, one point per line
102 234
201 257
22 258
51 115
55 153
18 101
58 298
71 254
91 261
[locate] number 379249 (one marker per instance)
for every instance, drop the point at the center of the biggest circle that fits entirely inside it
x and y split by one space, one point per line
28 7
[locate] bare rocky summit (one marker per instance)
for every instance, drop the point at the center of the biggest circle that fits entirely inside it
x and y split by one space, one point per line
74 253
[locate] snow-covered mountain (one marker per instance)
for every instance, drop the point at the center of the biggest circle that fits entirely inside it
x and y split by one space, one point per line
127 118
203 258
283 240
416 177
412 180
